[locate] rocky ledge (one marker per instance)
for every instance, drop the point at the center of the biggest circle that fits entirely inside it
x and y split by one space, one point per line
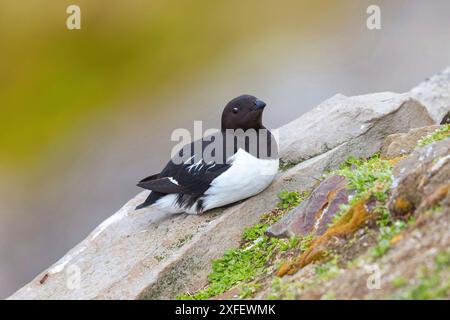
336 204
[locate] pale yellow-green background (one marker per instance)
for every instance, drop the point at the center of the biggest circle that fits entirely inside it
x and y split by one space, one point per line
84 114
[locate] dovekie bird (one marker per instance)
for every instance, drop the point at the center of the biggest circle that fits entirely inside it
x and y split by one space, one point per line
241 168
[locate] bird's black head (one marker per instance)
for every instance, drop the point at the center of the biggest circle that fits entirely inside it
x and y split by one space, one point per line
244 112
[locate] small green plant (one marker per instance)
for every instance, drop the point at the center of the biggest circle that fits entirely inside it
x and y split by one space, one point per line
371 179
234 266
387 233
240 266
328 269
383 214
431 284
257 230
305 242
437 209
254 232
280 290
289 199
330 295
284 166
367 177
248 289
440 133
399 282
343 208
442 260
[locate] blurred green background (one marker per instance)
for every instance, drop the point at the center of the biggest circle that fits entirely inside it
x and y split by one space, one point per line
86 113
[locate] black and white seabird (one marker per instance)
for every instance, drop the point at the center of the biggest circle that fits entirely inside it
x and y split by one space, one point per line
243 168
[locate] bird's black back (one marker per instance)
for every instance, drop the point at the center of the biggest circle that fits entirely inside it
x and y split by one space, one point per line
197 164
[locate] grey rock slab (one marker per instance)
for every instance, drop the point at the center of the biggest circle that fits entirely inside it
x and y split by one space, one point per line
434 94
145 254
361 121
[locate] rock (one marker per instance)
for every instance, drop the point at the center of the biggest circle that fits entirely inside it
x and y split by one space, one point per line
421 180
132 256
315 213
446 119
399 144
434 94
359 124
144 255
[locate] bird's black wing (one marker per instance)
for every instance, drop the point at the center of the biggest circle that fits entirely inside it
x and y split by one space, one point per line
192 176
162 185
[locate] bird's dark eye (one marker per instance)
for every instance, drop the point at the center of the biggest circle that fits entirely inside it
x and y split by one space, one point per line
235 110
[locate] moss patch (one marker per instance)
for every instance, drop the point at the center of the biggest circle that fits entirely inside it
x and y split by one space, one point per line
389 234
252 258
369 180
440 133
362 233
431 283
290 199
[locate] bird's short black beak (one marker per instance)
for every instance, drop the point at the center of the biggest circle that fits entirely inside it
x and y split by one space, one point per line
259 104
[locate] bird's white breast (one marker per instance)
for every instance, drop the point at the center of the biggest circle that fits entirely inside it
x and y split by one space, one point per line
246 177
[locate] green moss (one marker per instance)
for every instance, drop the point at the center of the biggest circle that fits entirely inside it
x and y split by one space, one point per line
440 133
328 270
372 179
254 232
366 177
442 261
388 231
280 290
305 242
257 230
328 296
289 199
436 209
284 166
288 290
431 284
248 290
399 282
239 266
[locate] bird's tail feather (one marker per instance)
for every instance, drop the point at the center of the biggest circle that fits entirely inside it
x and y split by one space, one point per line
151 199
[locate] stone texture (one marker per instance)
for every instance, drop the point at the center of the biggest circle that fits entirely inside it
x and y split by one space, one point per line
360 123
434 94
146 255
422 179
404 143
314 214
